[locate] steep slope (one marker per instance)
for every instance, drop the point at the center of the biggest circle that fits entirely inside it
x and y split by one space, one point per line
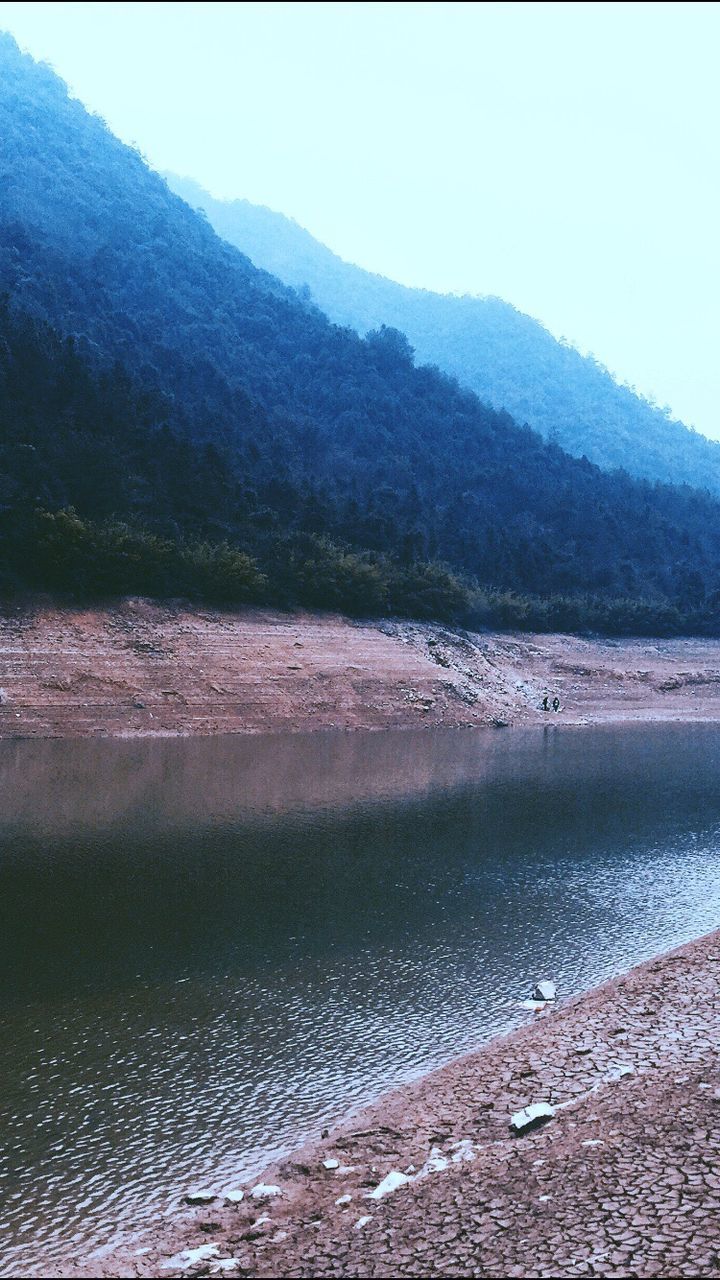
322 434
507 358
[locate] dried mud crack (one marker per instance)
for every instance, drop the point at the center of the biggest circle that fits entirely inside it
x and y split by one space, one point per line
622 1181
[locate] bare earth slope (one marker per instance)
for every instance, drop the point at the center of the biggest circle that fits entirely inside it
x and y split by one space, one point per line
141 668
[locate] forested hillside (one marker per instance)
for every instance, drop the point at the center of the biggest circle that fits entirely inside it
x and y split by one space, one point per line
100 496
510 360
206 431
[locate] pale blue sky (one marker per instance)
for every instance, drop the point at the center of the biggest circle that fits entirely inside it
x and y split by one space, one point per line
563 156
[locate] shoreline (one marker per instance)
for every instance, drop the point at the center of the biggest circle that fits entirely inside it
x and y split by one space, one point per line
140 669
621 1181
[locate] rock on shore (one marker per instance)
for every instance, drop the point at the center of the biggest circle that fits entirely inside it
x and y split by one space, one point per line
621 1180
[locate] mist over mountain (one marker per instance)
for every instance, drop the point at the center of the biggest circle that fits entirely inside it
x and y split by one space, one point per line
254 449
510 360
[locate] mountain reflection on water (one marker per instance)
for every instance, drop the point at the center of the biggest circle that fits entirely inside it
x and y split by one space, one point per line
211 947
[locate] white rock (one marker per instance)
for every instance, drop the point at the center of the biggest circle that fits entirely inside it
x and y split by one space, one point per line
462 1150
265 1191
362 1222
200 1197
346 1168
536 1113
260 1222
390 1183
331 1164
534 1006
224 1264
545 990
343 1200
234 1196
435 1163
592 1142
190 1257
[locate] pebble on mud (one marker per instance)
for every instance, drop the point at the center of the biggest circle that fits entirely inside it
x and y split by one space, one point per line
531 1117
390 1183
265 1191
545 990
200 1197
190 1257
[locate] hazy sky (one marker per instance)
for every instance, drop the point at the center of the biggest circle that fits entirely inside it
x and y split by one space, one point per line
563 156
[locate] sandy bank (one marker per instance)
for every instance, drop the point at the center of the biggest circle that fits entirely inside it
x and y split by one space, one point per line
623 1181
141 669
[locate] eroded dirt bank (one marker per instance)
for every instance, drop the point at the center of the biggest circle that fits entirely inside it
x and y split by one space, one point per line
143 668
622 1181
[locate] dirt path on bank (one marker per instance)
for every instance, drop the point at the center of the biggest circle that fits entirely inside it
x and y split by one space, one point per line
622 1181
141 668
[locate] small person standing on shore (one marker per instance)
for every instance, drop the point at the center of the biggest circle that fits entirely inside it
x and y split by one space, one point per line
556 703
545 706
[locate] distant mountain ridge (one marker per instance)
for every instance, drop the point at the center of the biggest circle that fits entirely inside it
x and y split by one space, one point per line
509 360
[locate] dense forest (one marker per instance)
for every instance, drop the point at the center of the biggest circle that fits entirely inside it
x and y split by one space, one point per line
506 357
176 421
100 496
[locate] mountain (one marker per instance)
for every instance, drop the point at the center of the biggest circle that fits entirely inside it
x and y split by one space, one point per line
507 358
250 425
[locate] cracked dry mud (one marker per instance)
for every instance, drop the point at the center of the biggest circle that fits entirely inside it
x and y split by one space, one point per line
623 1181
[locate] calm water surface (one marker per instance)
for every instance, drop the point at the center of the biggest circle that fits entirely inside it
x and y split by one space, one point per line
211 948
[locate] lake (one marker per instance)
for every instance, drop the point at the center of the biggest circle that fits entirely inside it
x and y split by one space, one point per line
211 948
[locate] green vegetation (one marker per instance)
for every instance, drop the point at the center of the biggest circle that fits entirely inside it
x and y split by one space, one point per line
115 558
99 561
93 561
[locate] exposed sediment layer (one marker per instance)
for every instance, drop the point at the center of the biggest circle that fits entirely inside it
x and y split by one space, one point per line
141 669
622 1181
